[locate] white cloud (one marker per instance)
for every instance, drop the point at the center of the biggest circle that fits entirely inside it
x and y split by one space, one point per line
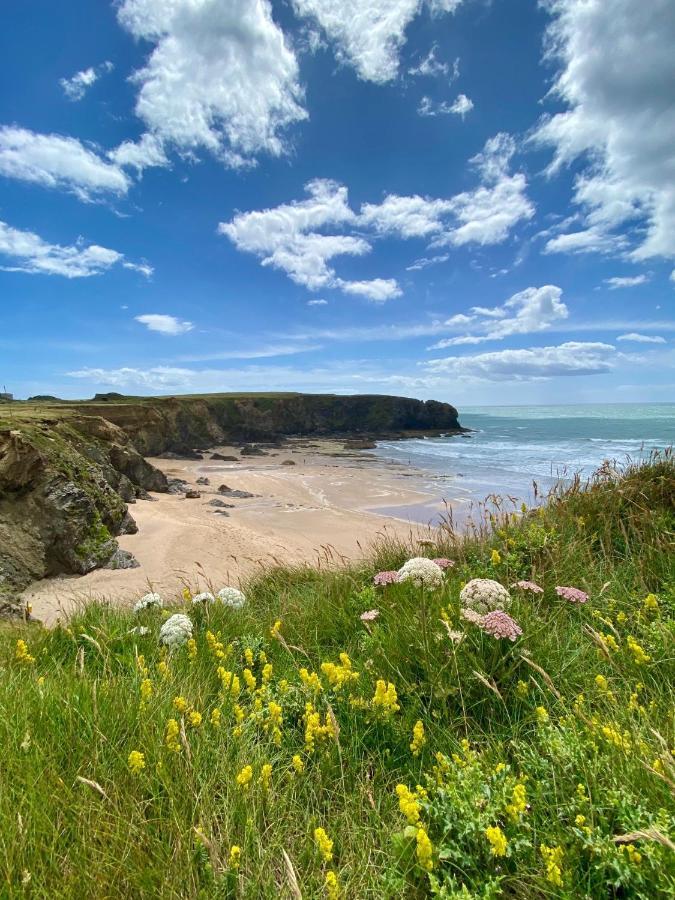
164 324
368 34
157 378
527 312
77 86
143 267
615 76
27 252
641 338
626 281
286 238
220 77
54 161
484 216
424 262
460 107
377 289
317 303
430 67
571 358
147 151
589 240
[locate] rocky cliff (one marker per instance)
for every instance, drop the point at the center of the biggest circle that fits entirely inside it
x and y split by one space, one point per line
69 469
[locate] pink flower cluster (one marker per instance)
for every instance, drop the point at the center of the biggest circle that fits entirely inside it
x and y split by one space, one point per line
529 586
370 615
497 623
500 625
444 563
390 577
574 595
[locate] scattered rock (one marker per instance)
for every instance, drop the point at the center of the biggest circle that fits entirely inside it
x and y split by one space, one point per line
240 495
128 525
224 489
122 559
192 495
221 512
203 480
288 462
184 454
221 504
177 486
224 458
248 450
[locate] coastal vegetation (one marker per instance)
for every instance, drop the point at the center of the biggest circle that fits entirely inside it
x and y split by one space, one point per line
464 718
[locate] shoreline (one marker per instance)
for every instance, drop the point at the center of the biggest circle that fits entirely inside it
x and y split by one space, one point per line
315 503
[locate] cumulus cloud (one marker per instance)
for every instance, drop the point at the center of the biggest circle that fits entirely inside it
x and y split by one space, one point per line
484 215
425 261
626 281
28 252
164 324
78 84
54 161
636 338
527 312
287 238
141 154
535 363
459 107
221 76
369 34
616 69
431 67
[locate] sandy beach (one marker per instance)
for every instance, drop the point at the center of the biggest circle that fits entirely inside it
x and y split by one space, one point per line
313 503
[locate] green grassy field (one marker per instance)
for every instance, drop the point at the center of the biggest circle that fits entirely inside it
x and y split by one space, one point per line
294 750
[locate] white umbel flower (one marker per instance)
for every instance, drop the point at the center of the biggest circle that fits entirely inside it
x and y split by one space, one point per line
483 595
422 572
176 631
204 597
231 597
147 601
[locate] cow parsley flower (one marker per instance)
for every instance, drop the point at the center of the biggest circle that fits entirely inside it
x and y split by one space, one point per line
422 572
176 631
147 601
500 625
574 595
484 595
231 597
443 563
528 586
204 597
388 577
369 615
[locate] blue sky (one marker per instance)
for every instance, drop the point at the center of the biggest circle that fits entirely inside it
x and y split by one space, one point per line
460 199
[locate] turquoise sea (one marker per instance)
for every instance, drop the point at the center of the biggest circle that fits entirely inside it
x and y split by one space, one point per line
510 447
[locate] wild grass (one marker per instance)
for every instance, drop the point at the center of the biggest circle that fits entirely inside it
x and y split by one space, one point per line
542 768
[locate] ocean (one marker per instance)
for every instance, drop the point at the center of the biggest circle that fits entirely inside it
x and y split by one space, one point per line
510 447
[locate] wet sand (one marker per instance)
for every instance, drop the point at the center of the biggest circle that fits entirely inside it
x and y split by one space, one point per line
325 509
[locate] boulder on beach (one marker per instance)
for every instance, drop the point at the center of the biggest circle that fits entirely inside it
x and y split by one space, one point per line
203 480
223 458
192 495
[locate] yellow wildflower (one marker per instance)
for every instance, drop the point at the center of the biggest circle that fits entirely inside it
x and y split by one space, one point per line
314 730
522 689
180 704
248 656
195 718
276 720
621 618
580 820
22 654
638 653
230 681
41 680
553 859
245 777
298 764
518 804
250 680
310 680
495 557
418 738
146 690
408 804
187 596
283 687
497 839
192 649
262 658
235 857
267 673
332 885
275 630
339 675
265 776
324 844
610 640
171 736
239 713
651 603
384 700
216 716
136 762
541 715
634 856
163 669
141 666
424 850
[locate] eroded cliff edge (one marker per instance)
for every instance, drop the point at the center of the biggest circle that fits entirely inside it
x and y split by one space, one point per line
69 469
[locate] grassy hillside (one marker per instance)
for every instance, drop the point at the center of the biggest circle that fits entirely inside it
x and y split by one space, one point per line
293 749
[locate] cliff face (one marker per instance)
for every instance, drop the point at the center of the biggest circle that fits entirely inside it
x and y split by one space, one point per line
68 470
182 423
64 489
